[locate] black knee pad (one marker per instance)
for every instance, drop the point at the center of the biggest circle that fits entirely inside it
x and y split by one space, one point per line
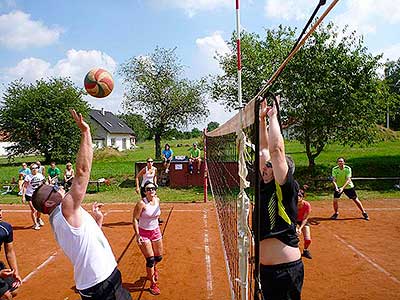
150 261
158 258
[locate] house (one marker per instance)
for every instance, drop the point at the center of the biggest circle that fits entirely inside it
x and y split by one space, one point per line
4 143
109 131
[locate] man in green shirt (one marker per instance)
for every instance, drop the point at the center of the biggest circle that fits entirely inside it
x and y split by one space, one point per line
53 173
341 179
194 157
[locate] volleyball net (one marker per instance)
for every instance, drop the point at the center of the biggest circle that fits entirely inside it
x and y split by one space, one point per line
230 163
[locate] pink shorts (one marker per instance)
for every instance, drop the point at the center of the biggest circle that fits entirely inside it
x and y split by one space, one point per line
150 235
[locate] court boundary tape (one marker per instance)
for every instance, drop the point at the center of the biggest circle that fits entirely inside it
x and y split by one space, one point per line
42 265
368 259
207 256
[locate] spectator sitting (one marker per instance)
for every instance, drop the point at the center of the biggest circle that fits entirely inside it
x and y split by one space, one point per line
194 157
68 176
167 155
53 173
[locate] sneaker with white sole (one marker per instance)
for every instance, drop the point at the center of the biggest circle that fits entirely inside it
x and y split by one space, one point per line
40 221
36 227
365 216
306 254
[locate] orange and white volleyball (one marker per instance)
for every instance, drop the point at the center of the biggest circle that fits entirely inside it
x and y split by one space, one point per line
99 83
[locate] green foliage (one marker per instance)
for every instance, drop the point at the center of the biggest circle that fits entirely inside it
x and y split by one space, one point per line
330 89
212 125
36 118
392 80
154 88
138 125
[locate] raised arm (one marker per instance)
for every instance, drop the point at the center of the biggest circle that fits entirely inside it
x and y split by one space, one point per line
73 200
264 152
277 146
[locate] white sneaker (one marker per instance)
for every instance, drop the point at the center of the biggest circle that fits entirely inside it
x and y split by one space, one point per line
19 193
36 227
167 171
40 222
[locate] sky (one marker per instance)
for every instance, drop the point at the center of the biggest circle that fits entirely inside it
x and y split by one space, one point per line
46 38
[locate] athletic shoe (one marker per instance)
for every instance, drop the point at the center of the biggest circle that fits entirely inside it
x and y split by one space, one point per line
154 289
166 171
160 221
36 227
307 254
19 193
155 274
190 172
335 216
365 215
198 172
40 221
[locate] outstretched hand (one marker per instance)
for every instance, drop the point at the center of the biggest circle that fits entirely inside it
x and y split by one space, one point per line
79 120
273 111
97 213
269 111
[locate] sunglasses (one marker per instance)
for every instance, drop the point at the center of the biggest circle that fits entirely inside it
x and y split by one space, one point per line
54 189
268 164
151 189
149 161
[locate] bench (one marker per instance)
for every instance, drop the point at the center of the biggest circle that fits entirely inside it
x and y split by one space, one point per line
97 183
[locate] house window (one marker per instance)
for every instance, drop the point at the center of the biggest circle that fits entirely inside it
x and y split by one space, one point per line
112 142
108 123
121 125
124 143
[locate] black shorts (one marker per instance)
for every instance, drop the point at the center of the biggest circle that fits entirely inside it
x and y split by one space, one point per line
351 193
282 281
109 289
28 198
142 192
6 283
167 160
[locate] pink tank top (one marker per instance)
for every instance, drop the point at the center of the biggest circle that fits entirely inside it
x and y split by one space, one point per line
149 217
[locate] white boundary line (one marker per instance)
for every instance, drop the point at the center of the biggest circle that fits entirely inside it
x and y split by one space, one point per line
207 257
51 257
378 267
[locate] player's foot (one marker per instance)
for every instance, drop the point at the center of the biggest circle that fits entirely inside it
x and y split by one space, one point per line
365 216
335 216
19 193
160 221
307 254
167 171
36 227
190 172
198 172
154 289
40 221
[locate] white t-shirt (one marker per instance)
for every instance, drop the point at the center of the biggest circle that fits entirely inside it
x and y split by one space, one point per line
86 247
34 182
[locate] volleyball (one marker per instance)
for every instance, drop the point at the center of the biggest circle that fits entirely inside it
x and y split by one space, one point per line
99 83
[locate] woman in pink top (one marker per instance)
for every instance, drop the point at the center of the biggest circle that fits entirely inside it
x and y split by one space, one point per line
304 209
148 233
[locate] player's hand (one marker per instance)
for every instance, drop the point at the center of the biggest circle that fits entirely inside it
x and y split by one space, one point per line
273 111
139 240
6 272
264 109
298 231
340 190
17 281
137 190
96 209
83 126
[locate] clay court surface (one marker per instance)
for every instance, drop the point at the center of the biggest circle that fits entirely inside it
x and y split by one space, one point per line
352 258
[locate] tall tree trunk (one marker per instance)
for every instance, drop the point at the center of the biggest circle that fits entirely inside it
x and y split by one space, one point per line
157 141
311 161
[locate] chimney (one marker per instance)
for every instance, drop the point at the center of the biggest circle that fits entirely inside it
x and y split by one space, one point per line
103 112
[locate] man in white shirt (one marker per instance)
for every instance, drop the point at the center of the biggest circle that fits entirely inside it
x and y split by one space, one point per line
95 269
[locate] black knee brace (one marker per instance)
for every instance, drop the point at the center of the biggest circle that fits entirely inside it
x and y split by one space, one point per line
158 258
150 261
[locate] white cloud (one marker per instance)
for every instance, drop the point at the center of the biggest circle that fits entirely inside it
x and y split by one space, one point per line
391 53
364 16
192 7
18 31
289 9
75 65
208 47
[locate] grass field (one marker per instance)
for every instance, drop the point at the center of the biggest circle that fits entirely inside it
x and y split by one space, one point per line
378 160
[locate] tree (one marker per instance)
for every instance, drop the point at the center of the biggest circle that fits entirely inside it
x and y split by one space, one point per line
330 89
154 88
196 132
212 125
36 118
138 125
392 80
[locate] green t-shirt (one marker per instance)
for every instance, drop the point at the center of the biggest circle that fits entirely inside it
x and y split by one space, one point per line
194 152
53 172
342 175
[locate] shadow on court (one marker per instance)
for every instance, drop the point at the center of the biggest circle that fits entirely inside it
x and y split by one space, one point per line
137 286
115 224
318 220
